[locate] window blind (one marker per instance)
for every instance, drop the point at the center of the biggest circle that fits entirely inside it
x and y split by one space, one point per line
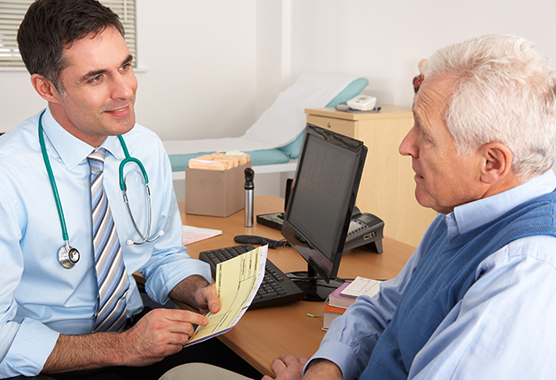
12 12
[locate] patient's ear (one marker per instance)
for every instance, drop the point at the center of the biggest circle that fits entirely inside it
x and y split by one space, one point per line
497 162
44 88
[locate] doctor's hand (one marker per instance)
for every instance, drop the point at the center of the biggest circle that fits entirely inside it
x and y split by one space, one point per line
197 292
159 333
207 299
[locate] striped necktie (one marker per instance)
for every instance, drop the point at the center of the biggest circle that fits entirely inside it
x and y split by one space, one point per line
112 279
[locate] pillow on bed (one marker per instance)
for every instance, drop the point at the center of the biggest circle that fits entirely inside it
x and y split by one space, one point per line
293 149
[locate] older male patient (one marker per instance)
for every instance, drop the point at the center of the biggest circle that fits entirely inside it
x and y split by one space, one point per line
476 299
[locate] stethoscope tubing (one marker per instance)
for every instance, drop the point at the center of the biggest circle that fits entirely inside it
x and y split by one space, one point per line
68 255
57 199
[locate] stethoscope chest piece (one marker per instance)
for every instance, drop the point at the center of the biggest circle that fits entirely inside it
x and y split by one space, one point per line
68 256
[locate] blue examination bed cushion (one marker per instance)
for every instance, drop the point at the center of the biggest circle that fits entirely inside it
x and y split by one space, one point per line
279 131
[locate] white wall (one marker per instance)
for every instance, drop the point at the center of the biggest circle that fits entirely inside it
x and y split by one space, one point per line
198 80
210 68
18 99
384 40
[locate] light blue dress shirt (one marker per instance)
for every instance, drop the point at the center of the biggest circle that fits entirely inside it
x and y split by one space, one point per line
39 299
503 328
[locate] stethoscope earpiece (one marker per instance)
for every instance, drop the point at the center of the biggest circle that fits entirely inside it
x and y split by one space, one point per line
149 240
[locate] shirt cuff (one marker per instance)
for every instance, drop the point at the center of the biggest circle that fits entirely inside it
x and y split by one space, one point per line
165 279
338 353
32 345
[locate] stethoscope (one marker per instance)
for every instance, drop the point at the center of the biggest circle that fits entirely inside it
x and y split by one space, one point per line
69 256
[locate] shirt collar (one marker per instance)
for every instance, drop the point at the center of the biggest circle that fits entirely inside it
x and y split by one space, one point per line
466 217
71 150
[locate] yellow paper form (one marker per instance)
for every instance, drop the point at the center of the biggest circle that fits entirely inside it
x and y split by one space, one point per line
237 281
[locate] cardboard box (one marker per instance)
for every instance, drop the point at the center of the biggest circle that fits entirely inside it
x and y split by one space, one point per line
215 192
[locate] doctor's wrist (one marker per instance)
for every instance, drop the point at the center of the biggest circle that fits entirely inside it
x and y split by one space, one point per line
187 289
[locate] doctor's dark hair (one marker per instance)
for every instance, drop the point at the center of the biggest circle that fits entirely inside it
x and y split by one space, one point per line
49 26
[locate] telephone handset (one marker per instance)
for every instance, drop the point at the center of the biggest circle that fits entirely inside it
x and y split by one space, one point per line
364 229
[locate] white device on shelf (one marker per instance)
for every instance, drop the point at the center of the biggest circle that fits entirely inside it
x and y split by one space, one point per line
362 103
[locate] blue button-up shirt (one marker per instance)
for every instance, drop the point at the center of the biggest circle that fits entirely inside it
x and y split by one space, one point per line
503 328
39 299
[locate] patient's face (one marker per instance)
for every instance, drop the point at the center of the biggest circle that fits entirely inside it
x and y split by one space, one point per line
443 178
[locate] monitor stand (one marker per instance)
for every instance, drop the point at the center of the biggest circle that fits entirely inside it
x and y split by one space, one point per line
315 288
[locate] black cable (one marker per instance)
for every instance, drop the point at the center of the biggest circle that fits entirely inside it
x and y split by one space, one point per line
252 239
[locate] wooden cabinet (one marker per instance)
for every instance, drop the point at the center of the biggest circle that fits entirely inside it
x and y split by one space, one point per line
387 187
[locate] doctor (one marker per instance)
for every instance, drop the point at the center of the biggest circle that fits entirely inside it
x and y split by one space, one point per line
53 318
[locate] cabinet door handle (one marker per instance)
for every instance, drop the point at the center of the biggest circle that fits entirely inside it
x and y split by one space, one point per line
329 125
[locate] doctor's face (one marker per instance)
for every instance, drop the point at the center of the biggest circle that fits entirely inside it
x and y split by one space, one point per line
98 88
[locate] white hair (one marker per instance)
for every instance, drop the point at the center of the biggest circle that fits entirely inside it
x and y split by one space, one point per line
504 92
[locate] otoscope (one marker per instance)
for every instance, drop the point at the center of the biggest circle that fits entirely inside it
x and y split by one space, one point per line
249 189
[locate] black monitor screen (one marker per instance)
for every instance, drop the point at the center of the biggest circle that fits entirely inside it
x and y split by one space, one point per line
322 198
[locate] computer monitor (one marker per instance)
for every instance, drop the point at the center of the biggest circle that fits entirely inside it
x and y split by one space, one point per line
320 206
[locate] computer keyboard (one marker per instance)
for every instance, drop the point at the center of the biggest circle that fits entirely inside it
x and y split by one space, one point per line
276 288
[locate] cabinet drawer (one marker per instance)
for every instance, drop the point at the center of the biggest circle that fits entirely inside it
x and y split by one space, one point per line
344 127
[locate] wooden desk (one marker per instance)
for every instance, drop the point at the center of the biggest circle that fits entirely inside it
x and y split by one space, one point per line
264 334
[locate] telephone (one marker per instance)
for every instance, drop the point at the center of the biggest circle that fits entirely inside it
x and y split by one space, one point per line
362 103
364 229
